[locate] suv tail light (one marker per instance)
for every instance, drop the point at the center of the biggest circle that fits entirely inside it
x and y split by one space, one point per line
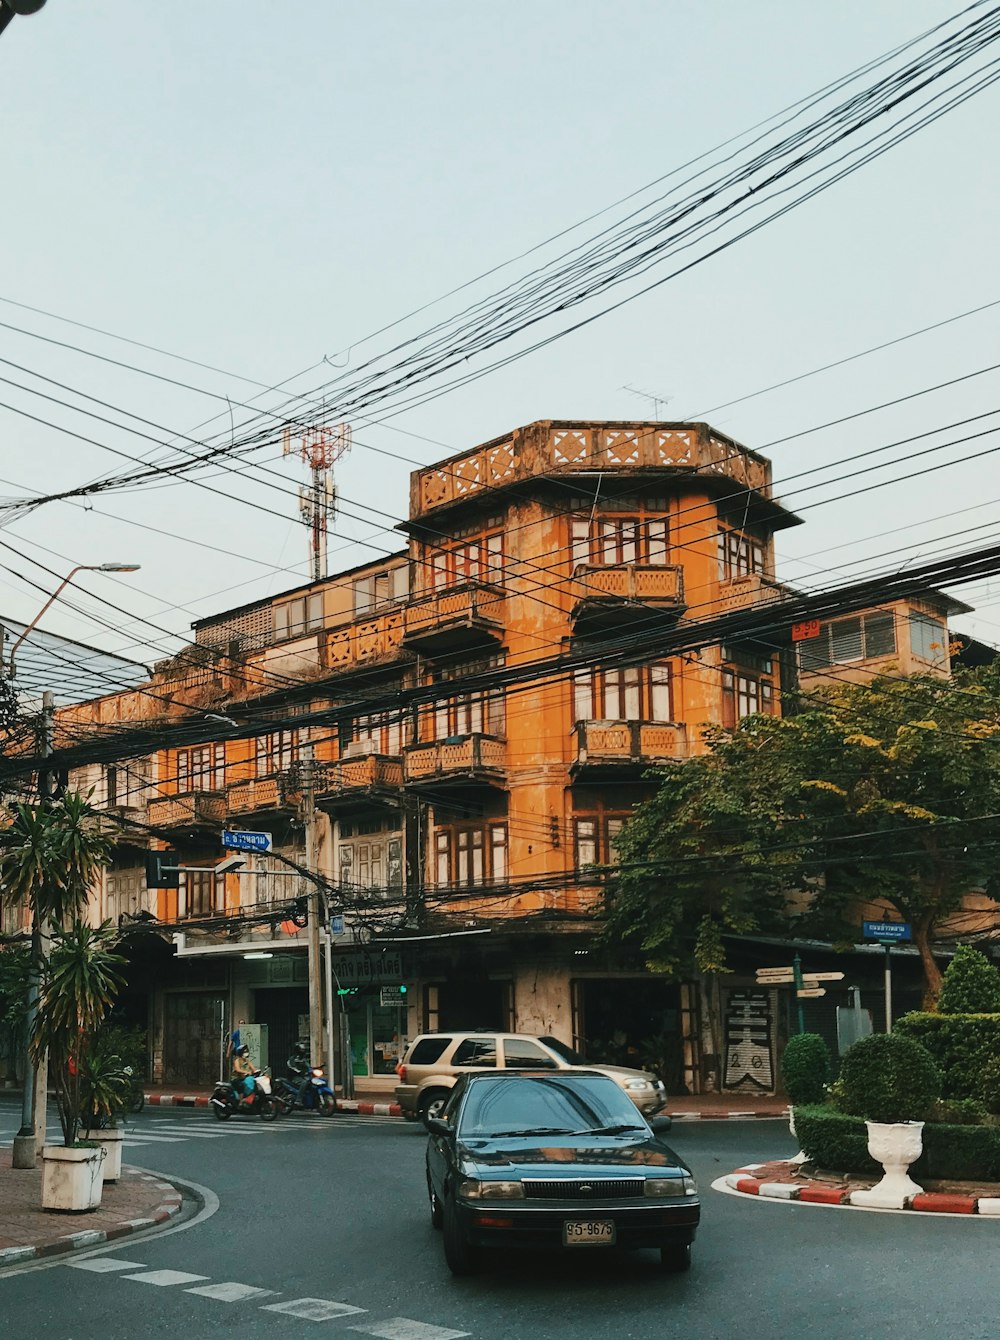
401 1072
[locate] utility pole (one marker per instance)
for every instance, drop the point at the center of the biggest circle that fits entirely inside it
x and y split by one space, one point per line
31 1136
315 908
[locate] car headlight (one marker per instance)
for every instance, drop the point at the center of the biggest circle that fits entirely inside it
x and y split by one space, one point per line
633 1084
472 1189
658 1187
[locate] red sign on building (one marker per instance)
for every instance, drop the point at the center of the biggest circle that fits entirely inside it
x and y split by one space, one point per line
802 631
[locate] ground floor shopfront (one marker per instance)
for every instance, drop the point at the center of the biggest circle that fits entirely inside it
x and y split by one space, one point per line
721 1032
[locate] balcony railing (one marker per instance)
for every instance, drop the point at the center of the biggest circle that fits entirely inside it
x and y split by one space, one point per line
191 807
353 781
628 744
557 448
475 757
261 794
622 591
741 592
463 616
366 641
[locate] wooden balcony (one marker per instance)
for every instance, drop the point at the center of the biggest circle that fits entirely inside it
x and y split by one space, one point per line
613 597
361 782
460 618
262 795
468 759
366 642
625 748
191 809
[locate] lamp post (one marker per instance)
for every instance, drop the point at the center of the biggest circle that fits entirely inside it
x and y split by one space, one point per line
10 8
24 1152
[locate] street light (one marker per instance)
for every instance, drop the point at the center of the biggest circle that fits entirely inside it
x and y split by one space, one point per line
24 1150
80 567
8 9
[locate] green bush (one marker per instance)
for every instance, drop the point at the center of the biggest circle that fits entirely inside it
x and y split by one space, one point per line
989 1085
834 1140
805 1068
957 1112
963 1045
838 1142
887 1078
971 984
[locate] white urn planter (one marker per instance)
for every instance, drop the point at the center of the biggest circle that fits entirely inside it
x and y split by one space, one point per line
895 1146
72 1179
800 1157
110 1139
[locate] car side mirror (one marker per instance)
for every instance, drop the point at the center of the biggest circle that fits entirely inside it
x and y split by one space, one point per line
438 1126
660 1125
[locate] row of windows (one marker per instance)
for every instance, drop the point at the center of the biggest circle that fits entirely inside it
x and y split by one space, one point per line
611 540
639 693
867 636
477 560
372 862
739 555
470 855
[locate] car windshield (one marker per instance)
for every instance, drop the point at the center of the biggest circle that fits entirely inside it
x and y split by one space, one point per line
567 1053
557 1104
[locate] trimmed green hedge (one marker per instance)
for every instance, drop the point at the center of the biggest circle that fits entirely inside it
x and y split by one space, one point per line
838 1142
963 1045
805 1068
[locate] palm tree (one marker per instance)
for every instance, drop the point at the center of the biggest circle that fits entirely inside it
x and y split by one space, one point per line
53 856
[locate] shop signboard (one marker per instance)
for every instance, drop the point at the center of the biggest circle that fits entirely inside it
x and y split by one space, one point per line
392 995
359 968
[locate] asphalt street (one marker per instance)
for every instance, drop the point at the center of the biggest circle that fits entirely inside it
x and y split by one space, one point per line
335 1212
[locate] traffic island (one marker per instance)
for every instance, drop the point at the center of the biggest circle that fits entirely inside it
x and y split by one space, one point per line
136 1202
791 1181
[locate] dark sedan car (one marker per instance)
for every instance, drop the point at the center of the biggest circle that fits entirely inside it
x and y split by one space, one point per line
555 1159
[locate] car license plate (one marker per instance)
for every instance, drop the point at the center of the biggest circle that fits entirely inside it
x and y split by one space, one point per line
588 1232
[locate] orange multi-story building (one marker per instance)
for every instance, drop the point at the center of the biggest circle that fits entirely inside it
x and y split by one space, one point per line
457 830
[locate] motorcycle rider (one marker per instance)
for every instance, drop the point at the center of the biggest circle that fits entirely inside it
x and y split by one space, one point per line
243 1075
298 1069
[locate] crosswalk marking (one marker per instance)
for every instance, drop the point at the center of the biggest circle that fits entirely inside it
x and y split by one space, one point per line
164 1278
402 1328
230 1292
103 1265
314 1309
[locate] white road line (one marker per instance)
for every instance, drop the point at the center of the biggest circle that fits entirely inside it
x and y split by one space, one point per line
230 1292
187 1135
164 1278
160 1139
103 1265
402 1328
314 1309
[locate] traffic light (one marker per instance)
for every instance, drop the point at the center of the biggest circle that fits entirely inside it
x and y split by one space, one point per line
156 876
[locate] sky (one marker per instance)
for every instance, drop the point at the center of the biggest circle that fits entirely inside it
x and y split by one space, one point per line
255 188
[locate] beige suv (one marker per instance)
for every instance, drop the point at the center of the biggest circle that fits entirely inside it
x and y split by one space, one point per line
434 1061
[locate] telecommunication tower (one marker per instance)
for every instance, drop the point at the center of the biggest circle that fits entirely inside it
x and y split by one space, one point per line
320 448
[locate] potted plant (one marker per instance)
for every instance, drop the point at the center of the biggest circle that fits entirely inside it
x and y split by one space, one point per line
891 1081
104 1096
54 854
79 982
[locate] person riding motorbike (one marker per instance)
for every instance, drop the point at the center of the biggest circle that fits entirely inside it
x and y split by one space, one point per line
298 1069
243 1074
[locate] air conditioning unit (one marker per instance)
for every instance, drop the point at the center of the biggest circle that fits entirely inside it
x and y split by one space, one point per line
357 749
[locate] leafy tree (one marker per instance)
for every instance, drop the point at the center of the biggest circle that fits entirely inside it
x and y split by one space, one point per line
883 794
54 854
971 984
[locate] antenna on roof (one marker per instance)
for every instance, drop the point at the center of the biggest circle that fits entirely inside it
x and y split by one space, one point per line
657 400
320 448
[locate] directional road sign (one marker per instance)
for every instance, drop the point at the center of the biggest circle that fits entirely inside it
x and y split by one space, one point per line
237 840
775 974
812 991
811 977
888 930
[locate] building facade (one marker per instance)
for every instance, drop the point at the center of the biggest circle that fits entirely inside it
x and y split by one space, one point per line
456 829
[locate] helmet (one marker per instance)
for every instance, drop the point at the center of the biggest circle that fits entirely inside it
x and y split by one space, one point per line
243 1051
300 1049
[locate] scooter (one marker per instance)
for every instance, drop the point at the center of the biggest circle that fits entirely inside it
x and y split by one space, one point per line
316 1096
225 1100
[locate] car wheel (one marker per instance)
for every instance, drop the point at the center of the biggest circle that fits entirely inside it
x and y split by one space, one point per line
432 1104
675 1260
437 1214
461 1257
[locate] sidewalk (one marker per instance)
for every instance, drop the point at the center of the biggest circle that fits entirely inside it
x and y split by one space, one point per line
377 1102
136 1202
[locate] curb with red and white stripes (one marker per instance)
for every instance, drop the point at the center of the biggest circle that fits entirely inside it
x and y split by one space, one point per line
746 1183
169 1206
362 1108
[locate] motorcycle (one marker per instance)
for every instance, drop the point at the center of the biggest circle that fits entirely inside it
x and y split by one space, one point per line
315 1096
225 1100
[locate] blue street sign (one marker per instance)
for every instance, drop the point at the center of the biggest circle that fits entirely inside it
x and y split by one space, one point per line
336 925
242 841
888 930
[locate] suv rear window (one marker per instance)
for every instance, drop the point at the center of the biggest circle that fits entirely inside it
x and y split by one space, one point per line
428 1050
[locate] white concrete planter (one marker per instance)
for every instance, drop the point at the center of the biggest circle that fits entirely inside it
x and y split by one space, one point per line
72 1179
110 1139
895 1146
